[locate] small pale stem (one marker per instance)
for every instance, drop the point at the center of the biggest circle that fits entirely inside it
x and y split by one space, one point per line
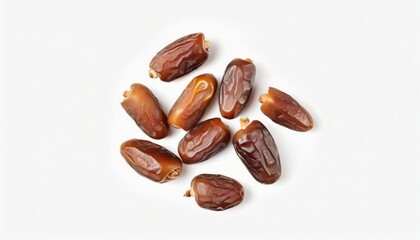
173 175
189 193
263 97
244 122
153 73
206 44
249 60
127 93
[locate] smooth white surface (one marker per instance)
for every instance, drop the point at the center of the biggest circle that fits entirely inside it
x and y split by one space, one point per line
355 66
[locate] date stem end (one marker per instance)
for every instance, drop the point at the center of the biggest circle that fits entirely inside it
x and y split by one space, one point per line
189 193
244 122
206 45
153 73
263 97
126 93
173 175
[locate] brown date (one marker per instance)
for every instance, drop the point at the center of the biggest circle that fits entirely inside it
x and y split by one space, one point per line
179 57
193 102
151 160
216 192
236 87
144 108
256 148
203 141
282 109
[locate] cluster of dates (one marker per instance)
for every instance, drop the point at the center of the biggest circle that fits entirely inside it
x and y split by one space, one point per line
253 143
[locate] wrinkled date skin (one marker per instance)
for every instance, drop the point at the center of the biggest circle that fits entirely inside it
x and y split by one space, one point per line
203 141
282 109
256 148
216 192
236 87
193 102
180 57
144 108
151 160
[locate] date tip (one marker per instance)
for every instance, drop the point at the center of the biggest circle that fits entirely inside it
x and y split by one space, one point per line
153 73
189 193
262 98
206 45
174 174
244 122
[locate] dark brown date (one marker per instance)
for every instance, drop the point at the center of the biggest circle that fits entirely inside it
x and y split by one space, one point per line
282 109
193 102
236 87
256 148
203 141
216 192
180 57
151 160
144 108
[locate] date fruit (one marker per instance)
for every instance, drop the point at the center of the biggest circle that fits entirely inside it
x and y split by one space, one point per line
144 108
203 141
180 57
193 102
236 87
282 109
216 192
256 148
151 160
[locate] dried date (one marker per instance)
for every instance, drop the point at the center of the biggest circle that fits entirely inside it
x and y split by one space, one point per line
282 109
203 141
236 87
179 57
256 148
216 192
193 102
144 108
151 160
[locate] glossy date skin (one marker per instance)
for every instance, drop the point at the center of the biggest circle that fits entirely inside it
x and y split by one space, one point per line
144 108
203 141
236 87
193 102
216 192
256 148
179 57
282 109
151 160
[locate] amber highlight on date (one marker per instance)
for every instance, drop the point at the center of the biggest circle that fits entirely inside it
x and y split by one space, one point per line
144 108
193 102
236 87
215 192
179 57
203 141
151 160
255 146
282 109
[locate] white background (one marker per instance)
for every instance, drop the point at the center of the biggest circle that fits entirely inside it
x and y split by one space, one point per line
354 65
